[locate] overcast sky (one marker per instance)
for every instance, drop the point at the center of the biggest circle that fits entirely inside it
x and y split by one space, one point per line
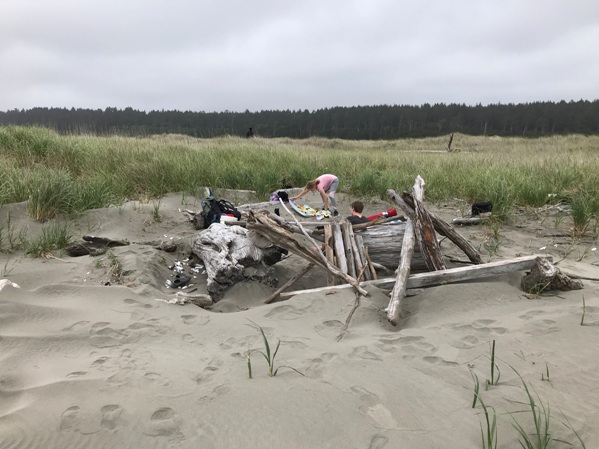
216 55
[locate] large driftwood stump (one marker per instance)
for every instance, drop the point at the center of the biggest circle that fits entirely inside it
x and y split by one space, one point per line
546 276
226 252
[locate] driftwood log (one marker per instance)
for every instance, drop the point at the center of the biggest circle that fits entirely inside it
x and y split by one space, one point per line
403 273
546 276
93 246
226 252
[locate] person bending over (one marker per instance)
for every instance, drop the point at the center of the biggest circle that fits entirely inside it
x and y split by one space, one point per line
327 186
356 216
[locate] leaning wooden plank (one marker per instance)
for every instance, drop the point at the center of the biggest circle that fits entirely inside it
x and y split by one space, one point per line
425 230
403 273
339 249
448 276
361 255
289 283
443 228
370 264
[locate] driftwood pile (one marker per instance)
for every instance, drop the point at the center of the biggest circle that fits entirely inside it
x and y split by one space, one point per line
346 253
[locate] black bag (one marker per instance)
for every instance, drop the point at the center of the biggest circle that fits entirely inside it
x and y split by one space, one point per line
227 208
283 195
481 207
211 212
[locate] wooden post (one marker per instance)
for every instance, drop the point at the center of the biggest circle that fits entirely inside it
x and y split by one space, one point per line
425 230
401 283
349 254
328 251
339 249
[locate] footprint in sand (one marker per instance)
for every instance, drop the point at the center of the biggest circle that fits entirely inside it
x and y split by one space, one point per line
378 442
111 417
362 352
188 319
159 379
69 419
103 336
542 327
373 408
78 325
77 374
285 312
329 329
313 371
467 342
133 302
163 422
391 344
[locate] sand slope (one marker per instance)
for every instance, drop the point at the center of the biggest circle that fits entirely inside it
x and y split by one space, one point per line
89 365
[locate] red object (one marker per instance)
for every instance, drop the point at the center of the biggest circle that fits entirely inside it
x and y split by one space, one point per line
389 213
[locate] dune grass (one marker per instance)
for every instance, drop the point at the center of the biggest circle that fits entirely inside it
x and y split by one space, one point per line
69 174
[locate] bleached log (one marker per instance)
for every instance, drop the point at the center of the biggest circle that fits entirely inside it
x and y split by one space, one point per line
328 251
384 246
361 255
440 277
467 221
226 251
349 254
400 287
339 248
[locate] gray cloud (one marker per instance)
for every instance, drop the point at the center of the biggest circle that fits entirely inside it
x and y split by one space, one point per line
237 55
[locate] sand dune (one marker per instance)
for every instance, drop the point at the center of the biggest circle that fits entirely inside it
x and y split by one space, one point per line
89 365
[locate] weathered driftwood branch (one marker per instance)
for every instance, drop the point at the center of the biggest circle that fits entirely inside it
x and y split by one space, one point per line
403 273
467 221
351 312
546 276
370 264
289 283
263 224
425 230
441 227
349 254
361 255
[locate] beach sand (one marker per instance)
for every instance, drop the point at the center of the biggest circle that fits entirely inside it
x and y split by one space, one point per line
91 361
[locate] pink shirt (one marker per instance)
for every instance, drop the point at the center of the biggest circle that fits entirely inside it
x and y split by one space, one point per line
325 181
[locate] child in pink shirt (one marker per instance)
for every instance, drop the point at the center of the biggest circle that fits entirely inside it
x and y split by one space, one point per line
327 186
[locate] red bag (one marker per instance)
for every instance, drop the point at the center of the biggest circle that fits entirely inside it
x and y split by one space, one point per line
389 213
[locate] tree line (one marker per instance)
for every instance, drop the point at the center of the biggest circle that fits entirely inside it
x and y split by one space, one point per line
356 122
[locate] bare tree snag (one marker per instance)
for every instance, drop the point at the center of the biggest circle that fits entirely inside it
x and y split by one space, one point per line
425 230
403 273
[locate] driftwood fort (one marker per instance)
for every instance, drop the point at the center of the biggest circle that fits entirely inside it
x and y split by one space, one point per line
352 256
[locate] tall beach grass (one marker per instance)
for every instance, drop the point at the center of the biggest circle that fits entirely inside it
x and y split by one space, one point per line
69 174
